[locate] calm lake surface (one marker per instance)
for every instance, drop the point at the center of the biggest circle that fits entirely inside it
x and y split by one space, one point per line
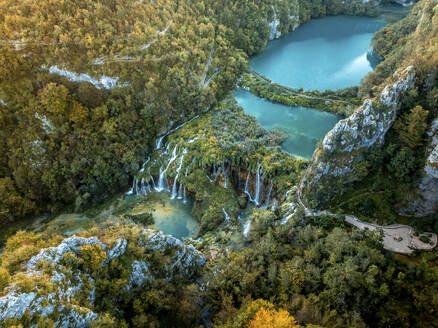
326 53
304 126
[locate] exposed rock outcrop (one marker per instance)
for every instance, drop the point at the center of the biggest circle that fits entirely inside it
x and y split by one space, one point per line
70 283
427 201
338 161
405 3
280 25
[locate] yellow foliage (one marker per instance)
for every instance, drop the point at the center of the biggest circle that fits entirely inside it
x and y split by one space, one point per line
265 318
5 278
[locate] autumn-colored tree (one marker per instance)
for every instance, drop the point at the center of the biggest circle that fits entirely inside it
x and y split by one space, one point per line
273 319
5 278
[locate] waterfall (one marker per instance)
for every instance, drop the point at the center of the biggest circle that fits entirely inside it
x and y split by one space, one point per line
144 165
268 198
180 192
153 183
227 217
225 175
136 185
143 186
258 184
174 194
162 181
185 198
192 140
214 171
293 208
247 228
131 191
159 141
256 199
246 191
286 219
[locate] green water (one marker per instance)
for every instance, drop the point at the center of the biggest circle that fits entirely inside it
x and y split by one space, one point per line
326 53
303 126
173 217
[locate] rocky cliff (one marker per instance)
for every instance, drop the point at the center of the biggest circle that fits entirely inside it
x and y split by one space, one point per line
339 160
427 201
287 16
63 287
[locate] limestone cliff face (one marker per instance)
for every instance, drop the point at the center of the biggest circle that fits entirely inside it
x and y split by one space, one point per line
339 160
71 283
405 3
280 25
427 201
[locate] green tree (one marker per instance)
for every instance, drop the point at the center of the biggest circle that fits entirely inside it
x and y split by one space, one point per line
411 127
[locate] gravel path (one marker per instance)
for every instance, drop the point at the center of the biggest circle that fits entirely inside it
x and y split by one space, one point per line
396 238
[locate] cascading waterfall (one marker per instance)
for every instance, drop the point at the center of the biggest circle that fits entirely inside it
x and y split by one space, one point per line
256 199
163 184
225 175
185 198
247 228
214 171
180 191
144 165
143 186
227 217
174 193
268 197
153 183
136 186
246 191
159 141
131 191
258 185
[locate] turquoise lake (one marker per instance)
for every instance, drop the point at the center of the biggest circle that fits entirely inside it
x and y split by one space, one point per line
173 217
325 53
303 126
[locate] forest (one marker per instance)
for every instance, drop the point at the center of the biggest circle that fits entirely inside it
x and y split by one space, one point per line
88 88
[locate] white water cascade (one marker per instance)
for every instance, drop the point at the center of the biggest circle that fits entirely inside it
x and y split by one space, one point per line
174 192
246 191
256 199
227 217
258 184
225 175
159 141
268 197
247 228
134 183
144 165
163 184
